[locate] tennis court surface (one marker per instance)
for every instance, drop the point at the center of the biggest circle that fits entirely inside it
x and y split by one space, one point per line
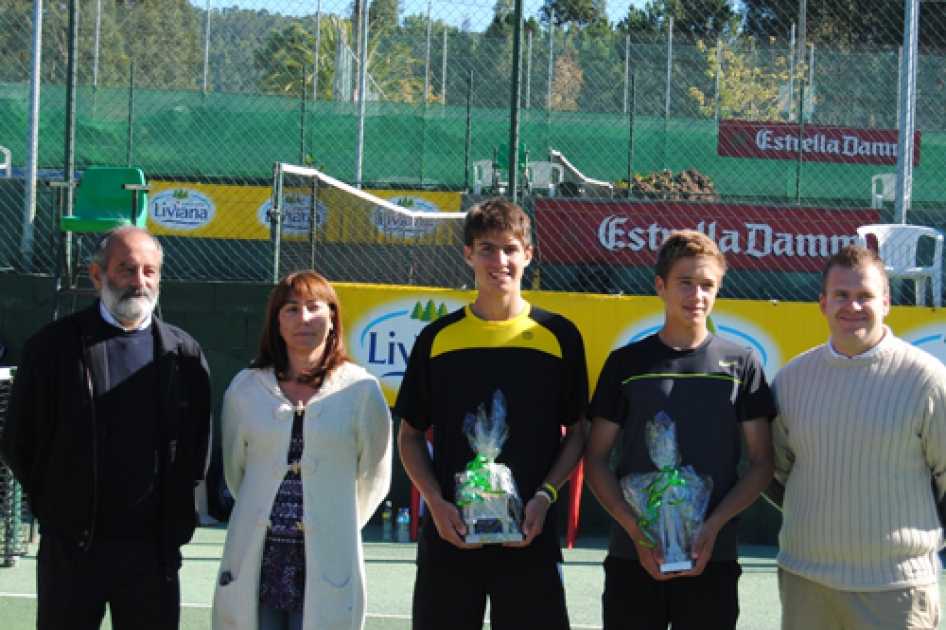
390 571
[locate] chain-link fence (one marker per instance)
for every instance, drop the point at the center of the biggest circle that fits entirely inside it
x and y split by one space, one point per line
15 520
713 95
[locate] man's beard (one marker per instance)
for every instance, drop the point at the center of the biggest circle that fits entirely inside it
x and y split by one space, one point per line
131 304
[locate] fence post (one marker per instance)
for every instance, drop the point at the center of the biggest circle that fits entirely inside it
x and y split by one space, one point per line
206 47
130 142
29 202
275 223
719 70
663 160
515 97
907 120
627 68
443 73
318 48
70 153
529 71
362 92
302 90
469 132
548 101
791 77
630 135
801 138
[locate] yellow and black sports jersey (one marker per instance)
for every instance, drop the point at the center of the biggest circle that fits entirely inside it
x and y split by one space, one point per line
537 359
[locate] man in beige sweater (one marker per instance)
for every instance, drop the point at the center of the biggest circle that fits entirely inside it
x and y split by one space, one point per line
860 436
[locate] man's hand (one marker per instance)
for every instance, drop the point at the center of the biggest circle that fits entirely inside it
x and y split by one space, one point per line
533 520
450 526
702 550
651 557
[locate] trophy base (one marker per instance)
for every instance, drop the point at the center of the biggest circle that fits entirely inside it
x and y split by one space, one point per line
492 539
676 567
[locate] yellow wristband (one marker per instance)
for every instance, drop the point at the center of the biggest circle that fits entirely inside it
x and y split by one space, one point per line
552 491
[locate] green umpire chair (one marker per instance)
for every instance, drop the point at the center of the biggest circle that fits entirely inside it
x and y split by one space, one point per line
106 197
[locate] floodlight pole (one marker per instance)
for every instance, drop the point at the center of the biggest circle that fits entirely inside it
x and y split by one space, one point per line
906 123
515 97
362 92
802 35
69 166
206 47
32 158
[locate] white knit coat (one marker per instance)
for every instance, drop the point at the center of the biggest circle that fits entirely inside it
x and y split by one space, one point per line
346 472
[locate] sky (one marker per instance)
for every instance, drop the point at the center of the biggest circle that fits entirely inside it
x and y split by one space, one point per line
453 12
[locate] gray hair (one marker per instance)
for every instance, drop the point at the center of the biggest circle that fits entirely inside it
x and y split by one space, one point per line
100 253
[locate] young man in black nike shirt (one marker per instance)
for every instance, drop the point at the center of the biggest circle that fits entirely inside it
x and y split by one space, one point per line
713 390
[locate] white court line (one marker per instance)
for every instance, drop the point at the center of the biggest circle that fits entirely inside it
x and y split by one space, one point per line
372 615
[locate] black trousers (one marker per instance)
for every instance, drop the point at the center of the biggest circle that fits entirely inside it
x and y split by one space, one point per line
633 600
530 598
128 575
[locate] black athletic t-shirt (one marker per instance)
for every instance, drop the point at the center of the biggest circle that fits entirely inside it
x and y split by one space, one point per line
707 391
537 359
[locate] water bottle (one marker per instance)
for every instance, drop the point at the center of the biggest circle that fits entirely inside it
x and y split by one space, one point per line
387 527
404 525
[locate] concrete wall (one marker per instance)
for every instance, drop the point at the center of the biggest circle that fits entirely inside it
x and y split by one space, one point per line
226 319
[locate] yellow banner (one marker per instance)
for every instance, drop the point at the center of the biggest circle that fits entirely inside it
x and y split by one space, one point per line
381 324
242 212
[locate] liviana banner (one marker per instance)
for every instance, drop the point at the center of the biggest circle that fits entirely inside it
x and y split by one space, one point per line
381 324
242 212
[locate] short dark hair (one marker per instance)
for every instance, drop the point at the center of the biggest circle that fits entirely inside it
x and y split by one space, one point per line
852 257
687 244
497 215
100 252
271 351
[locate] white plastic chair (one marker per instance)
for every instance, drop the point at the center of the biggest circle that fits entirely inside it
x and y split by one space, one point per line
897 246
7 162
888 189
547 175
485 176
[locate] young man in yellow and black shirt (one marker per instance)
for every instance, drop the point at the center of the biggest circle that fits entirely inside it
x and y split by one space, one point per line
537 359
713 390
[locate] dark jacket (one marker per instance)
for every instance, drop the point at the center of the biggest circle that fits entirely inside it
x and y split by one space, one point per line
53 444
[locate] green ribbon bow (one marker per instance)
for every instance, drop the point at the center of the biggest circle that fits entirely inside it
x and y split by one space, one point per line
477 482
667 477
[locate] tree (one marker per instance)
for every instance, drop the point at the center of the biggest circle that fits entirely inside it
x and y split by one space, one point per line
574 12
284 53
165 38
384 15
643 25
139 31
568 81
282 59
504 17
749 88
235 34
708 19
846 24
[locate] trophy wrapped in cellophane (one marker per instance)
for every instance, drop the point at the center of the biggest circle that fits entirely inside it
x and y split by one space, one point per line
671 502
486 492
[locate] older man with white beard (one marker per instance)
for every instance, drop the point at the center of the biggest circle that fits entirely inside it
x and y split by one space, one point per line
108 429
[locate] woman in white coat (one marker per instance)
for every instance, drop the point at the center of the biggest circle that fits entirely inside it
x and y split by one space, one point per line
307 454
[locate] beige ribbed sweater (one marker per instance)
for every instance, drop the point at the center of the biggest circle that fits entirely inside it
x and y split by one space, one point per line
856 442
